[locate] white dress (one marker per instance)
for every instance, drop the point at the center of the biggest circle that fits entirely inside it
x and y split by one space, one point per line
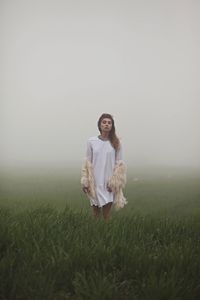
103 157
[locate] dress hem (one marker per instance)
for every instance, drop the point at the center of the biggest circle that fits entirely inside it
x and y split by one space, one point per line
101 205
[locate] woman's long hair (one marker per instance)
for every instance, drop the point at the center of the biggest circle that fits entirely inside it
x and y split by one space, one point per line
112 135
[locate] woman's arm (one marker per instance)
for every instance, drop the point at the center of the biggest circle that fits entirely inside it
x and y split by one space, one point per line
86 178
118 154
118 179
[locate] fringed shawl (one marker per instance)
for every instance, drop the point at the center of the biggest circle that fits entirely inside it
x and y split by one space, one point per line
116 182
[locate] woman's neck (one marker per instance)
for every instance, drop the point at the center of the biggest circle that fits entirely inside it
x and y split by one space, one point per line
104 135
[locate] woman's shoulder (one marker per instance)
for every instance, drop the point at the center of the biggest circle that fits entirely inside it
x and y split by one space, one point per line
93 139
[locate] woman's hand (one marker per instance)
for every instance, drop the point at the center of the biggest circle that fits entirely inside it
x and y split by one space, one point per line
85 189
109 189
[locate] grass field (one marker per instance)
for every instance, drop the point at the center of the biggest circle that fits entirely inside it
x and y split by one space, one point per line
52 248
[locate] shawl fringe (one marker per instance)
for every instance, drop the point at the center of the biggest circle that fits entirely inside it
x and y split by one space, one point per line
116 183
87 179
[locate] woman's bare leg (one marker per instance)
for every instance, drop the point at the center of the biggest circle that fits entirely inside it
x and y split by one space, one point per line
96 211
106 211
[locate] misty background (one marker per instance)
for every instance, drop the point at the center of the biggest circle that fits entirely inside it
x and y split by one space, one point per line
64 63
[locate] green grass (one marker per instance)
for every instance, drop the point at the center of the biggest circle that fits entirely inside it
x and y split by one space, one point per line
52 248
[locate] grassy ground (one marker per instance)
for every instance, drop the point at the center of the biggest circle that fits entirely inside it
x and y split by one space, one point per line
51 248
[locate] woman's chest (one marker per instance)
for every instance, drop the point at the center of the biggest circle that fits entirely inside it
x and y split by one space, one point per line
103 149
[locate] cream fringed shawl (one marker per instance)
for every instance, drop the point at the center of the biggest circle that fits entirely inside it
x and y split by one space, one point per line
116 182
87 179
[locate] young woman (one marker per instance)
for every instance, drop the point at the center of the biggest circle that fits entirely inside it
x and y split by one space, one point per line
103 171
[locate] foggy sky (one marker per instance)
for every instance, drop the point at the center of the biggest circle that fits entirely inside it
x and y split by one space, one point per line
64 63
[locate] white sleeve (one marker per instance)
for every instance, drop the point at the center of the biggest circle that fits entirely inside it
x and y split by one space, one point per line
89 151
119 155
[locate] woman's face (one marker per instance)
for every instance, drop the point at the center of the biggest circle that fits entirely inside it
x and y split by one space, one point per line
106 125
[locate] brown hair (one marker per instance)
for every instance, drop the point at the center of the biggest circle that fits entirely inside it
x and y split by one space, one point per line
112 135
